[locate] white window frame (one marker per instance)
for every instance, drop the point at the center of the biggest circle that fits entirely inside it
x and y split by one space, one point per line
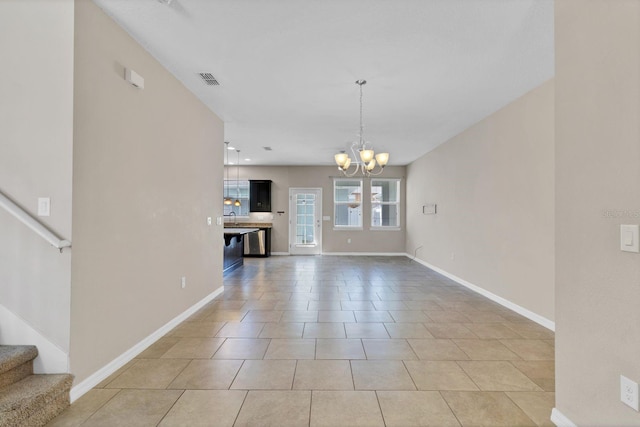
230 190
397 203
336 203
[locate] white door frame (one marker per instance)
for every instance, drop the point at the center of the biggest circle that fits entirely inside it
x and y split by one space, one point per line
305 250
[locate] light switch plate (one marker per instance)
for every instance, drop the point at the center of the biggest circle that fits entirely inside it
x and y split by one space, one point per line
44 206
629 238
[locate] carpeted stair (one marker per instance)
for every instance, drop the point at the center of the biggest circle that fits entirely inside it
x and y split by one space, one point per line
27 399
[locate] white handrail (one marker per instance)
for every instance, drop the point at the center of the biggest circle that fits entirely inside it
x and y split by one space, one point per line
33 223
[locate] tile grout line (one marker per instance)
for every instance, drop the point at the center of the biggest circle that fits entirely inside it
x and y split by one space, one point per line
449 406
353 381
172 406
246 394
404 363
103 405
467 374
380 407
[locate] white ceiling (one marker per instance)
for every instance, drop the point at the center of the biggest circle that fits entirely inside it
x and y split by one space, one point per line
287 67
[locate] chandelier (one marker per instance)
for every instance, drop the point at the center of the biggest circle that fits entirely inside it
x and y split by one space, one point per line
368 159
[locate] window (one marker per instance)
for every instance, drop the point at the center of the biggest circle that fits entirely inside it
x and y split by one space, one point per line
347 201
237 190
385 203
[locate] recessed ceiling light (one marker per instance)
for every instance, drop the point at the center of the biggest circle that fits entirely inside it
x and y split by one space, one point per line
247 160
231 163
231 148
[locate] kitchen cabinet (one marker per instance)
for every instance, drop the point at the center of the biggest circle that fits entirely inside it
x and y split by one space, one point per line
260 195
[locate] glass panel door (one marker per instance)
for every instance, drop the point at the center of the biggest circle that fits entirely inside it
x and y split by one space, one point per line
305 221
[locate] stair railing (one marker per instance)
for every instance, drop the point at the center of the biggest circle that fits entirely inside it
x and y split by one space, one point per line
35 225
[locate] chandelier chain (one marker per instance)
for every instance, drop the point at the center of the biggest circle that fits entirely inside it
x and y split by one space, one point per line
361 126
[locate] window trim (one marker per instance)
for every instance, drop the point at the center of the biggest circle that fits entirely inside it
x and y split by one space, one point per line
398 201
360 225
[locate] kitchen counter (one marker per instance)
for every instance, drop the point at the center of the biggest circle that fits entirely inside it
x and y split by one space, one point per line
239 230
248 225
234 247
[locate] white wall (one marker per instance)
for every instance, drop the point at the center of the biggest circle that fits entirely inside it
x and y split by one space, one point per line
144 184
494 189
36 132
597 189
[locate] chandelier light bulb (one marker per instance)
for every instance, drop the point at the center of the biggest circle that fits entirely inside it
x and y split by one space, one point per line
366 156
371 165
347 164
341 159
382 159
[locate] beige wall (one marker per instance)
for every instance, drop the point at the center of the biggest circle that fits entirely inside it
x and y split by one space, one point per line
597 189
285 177
36 131
493 186
147 171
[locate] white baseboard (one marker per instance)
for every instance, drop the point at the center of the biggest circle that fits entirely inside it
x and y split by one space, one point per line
350 253
364 253
97 377
560 420
14 330
543 321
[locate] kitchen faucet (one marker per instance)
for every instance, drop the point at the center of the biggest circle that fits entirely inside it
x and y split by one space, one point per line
235 221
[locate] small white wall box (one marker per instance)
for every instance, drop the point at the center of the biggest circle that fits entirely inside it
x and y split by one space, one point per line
134 78
430 209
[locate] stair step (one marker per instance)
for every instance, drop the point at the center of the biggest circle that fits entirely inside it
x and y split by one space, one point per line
16 363
35 400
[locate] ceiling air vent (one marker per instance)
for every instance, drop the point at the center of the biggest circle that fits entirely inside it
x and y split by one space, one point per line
208 79
267 148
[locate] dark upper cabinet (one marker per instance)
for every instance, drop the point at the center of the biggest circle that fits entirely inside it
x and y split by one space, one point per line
260 195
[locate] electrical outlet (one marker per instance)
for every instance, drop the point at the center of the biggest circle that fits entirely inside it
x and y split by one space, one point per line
629 392
183 282
209 220
348 240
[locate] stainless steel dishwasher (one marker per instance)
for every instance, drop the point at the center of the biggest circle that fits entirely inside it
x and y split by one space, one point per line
254 243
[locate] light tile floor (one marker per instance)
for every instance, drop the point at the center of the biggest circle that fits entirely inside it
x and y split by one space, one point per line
335 341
